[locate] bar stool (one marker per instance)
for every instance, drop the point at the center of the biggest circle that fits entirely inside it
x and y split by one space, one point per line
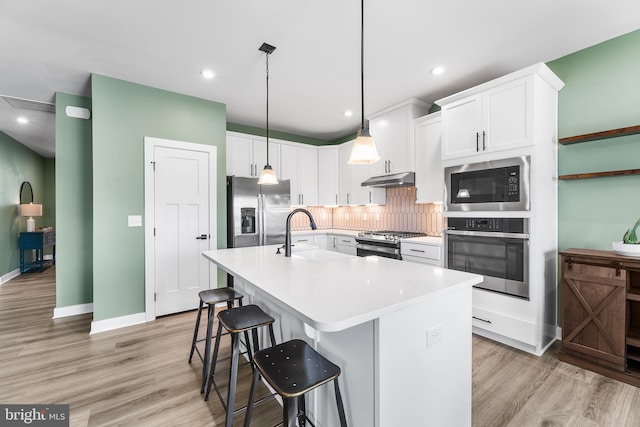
237 320
211 297
293 369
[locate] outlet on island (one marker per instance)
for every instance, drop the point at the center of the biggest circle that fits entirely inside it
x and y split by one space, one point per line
434 335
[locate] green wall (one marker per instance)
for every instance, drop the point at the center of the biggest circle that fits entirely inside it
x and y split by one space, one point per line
74 224
17 164
251 130
602 92
123 114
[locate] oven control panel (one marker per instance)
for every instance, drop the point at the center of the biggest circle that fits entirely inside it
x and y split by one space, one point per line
501 225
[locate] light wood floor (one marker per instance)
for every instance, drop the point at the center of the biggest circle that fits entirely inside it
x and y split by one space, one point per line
139 376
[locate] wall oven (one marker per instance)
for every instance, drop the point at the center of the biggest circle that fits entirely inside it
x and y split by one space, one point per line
497 248
498 185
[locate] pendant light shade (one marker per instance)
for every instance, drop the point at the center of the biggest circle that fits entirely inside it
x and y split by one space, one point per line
267 176
364 148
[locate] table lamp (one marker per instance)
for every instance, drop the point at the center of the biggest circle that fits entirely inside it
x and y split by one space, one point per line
31 210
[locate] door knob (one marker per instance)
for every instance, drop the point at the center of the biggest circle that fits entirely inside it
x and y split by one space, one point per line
202 237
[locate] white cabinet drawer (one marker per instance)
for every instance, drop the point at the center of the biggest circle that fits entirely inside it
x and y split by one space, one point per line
421 251
517 329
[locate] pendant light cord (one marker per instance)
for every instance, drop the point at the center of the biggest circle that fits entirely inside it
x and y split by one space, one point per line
362 62
267 56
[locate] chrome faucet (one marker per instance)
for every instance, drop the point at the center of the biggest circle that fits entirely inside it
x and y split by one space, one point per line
287 236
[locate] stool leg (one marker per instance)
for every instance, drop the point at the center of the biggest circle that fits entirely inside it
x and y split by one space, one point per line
252 392
213 363
207 348
272 335
343 418
302 411
195 332
233 377
289 412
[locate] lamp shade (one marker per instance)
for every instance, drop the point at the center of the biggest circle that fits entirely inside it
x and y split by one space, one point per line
364 150
30 209
268 176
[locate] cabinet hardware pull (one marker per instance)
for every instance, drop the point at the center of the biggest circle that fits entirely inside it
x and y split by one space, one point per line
484 137
477 142
482 320
416 250
202 237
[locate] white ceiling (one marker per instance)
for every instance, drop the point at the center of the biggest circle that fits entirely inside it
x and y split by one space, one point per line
48 46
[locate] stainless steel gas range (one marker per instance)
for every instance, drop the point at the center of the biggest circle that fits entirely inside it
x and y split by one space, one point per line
382 243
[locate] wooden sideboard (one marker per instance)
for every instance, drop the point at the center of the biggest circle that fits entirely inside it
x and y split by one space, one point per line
601 313
36 241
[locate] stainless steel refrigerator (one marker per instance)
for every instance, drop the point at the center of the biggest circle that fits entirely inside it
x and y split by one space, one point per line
256 214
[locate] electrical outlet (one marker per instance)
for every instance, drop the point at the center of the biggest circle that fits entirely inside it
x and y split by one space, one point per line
434 335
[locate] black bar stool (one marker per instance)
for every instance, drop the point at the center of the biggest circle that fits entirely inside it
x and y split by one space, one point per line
237 320
293 369
211 297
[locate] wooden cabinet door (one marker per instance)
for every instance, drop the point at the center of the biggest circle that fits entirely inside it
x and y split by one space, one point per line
429 170
461 128
328 176
508 115
593 312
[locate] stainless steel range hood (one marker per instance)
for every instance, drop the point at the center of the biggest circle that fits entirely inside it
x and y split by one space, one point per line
404 179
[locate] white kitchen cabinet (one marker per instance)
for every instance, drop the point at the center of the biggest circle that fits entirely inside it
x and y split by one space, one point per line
496 118
391 130
352 193
247 155
422 252
429 171
328 175
346 245
300 166
319 240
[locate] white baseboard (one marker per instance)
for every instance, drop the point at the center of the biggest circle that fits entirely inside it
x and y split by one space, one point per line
72 310
98 326
10 275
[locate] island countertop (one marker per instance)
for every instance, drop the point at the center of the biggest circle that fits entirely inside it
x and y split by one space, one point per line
331 291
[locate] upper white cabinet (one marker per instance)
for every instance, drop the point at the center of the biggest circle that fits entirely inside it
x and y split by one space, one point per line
429 170
351 177
495 116
300 166
328 175
247 155
391 130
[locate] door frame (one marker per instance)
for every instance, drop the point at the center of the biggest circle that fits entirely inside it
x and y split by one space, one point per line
150 144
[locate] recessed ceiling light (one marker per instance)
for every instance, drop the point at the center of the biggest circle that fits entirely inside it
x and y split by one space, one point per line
207 74
348 113
437 71
22 120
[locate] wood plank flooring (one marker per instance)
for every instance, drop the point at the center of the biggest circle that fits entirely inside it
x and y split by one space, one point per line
139 376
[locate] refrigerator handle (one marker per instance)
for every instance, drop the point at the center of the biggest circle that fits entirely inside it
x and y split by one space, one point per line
262 219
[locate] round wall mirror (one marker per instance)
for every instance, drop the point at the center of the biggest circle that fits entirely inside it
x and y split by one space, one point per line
26 193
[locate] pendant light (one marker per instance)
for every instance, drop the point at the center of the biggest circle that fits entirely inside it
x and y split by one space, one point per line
364 149
267 176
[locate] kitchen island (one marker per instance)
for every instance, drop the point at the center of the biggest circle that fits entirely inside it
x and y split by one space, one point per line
401 332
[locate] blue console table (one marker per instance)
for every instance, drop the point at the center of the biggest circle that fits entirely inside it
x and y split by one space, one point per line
36 240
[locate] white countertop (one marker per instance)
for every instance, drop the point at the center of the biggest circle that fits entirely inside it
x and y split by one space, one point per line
352 233
425 240
331 291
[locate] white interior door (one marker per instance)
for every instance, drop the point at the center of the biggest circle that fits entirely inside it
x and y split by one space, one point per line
182 212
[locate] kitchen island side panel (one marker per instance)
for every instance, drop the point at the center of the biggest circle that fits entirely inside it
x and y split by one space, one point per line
423 363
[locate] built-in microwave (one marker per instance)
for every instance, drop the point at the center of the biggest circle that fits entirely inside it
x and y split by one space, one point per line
497 185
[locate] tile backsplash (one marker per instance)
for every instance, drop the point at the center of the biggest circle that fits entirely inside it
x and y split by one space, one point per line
401 213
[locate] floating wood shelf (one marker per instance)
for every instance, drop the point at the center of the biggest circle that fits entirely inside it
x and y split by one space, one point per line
613 133
600 174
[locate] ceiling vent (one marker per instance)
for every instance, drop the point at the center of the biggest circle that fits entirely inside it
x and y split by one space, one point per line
28 104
